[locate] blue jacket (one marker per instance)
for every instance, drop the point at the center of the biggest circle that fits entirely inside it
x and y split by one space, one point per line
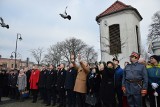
118 77
153 77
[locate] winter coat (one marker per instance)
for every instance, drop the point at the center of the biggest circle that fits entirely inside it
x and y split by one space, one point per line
1 80
61 79
70 78
51 79
135 72
118 77
42 79
13 80
80 84
22 82
153 77
34 78
28 74
107 89
93 83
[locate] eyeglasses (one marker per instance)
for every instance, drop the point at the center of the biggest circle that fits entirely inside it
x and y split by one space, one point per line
133 57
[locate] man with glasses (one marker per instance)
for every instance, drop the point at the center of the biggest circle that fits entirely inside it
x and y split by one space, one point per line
135 81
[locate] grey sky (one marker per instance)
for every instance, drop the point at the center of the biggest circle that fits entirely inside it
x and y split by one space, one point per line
40 25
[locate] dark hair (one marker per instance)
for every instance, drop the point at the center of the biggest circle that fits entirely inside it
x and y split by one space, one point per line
114 59
109 62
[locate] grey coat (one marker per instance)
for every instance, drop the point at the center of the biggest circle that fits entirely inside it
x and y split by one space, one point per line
22 82
135 71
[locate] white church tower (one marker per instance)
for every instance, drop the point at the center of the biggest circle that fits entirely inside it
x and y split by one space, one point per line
119 32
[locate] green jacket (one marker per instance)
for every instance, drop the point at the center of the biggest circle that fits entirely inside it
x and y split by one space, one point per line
153 77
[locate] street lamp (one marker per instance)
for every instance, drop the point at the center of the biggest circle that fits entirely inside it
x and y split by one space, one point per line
15 52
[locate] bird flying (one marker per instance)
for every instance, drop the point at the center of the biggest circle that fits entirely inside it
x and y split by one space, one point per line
65 16
3 24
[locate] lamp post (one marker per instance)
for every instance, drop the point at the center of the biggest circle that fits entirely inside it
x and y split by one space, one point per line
15 52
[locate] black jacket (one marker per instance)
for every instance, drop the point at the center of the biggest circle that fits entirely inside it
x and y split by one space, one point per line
42 79
28 74
51 79
93 82
70 78
107 89
1 80
13 80
61 79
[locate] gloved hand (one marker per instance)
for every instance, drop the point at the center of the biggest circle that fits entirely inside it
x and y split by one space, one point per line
154 85
155 94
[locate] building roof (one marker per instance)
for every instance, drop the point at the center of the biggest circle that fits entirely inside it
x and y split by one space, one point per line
117 7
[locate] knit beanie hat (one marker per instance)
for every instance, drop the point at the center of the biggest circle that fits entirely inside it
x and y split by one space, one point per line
157 58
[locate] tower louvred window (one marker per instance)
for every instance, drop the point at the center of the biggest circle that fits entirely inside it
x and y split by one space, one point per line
114 37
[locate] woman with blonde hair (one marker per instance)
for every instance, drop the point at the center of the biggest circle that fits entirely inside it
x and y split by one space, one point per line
21 83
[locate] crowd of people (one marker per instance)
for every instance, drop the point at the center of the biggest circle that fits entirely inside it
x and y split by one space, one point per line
84 85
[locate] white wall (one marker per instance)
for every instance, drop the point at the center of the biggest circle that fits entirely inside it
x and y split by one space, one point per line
127 21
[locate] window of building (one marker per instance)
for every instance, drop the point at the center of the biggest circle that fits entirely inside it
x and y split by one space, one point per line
12 66
114 39
4 65
137 33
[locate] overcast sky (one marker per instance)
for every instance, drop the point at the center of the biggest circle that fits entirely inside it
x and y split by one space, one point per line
40 25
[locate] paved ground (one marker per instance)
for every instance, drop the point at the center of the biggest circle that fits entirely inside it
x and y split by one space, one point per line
6 102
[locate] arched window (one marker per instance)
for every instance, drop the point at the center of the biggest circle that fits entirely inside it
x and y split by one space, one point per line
114 39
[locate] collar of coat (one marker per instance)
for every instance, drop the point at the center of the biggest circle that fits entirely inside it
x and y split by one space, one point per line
151 66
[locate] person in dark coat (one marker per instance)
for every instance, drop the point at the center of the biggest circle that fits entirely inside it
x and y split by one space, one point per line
154 81
6 83
118 81
60 85
107 89
42 84
34 79
93 84
69 85
13 84
50 86
1 83
28 74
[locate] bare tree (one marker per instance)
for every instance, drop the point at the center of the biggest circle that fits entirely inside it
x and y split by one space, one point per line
62 51
37 54
54 55
154 30
115 54
73 46
90 55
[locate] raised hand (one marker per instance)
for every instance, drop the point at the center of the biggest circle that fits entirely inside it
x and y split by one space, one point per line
79 57
72 57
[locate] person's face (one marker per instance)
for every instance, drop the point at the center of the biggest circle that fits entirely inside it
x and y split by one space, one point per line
133 59
43 67
62 66
51 67
33 67
93 70
21 71
115 62
110 65
70 65
101 66
152 60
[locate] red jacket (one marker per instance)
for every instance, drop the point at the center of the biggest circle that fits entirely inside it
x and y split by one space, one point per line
34 78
